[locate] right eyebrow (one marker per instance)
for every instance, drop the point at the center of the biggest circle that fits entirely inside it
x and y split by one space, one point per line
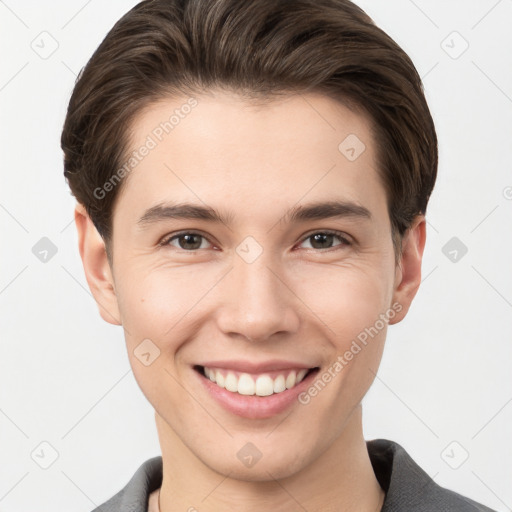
163 211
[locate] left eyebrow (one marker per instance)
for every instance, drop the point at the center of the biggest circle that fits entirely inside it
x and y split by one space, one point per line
325 210
311 211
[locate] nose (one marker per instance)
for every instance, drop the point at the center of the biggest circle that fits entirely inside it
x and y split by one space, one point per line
258 302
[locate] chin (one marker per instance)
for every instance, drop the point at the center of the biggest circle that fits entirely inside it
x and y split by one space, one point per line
275 466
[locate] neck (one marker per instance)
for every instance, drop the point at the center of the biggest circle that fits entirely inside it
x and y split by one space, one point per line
339 479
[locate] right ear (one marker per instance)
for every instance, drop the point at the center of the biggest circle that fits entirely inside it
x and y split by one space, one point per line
96 266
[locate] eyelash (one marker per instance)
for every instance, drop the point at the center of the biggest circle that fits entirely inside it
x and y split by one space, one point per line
341 236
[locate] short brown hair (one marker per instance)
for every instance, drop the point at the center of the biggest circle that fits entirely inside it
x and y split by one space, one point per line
256 48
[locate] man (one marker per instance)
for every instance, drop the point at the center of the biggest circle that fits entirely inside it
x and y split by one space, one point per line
252 181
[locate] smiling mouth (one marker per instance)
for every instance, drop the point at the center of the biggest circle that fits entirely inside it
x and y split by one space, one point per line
264 384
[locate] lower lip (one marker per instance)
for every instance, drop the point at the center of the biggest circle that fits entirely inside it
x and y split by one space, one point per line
253 406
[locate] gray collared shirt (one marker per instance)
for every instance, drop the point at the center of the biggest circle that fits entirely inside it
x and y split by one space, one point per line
408 488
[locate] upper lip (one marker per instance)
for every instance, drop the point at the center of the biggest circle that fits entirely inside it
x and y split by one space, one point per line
252 367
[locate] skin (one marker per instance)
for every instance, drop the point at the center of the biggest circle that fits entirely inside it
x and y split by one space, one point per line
297 301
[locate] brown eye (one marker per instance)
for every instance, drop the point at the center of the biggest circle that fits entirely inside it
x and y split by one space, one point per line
187 241
325 239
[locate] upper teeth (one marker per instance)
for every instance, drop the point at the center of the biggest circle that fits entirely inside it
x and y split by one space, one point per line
262 385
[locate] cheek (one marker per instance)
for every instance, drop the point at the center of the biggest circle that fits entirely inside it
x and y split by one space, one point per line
154 302
154 306
346 298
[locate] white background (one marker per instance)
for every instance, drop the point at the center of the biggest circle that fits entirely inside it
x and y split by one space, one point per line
445 376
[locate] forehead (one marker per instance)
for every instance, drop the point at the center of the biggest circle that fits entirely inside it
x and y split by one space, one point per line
218 148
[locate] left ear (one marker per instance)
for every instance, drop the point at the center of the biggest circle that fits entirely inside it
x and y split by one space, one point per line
408 271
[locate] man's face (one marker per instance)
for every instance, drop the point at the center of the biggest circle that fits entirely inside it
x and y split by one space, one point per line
262 293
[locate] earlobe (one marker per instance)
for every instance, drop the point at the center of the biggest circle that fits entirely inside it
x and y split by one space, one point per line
96 266
408 274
